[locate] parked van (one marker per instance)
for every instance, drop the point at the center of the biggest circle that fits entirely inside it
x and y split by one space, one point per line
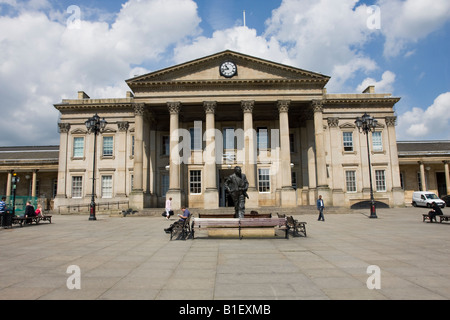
425 199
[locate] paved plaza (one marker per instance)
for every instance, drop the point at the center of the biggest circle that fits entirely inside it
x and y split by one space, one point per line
132 258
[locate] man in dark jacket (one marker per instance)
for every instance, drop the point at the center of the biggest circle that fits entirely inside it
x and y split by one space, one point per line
435 211
29 211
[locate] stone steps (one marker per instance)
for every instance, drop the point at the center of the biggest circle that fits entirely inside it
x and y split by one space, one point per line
263 210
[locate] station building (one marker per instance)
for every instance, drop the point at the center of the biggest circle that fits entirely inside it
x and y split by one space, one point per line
180 131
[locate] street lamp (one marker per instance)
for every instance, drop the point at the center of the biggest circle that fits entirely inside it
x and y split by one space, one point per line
94 125
15 179
368 124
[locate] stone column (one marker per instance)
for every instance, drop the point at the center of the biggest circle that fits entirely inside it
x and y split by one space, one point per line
211 198
120 184
397 192
447 175
8 184
322 182
137 194
63 180
338 175
422 176
250 153
174 191
33 183
288 194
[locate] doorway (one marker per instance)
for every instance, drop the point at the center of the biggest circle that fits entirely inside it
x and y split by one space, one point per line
441 185
225 199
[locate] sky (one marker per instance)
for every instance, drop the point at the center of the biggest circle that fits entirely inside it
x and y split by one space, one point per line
50 50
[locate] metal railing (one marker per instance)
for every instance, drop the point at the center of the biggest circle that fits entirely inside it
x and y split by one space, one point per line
85 207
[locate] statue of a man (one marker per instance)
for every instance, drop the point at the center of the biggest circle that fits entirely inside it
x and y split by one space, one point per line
237 186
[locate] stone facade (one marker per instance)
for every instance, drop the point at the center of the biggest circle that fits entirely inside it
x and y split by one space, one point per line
292 139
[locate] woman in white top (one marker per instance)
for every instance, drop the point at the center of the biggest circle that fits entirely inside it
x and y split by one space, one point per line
168 207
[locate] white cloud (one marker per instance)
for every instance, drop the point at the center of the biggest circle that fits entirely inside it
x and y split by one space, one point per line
385 85
408 21
241 39
325 36
43 61
431 123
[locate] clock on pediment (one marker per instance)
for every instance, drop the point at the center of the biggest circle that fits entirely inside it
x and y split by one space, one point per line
228 69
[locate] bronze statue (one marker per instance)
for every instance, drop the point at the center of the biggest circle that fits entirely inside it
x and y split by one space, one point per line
237 185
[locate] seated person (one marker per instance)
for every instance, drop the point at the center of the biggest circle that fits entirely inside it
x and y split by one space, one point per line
29 211
183 217
435 211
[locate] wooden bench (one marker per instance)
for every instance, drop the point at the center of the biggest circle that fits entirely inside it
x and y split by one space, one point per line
36 219
247 224
231 215
443 217
182 229
296 226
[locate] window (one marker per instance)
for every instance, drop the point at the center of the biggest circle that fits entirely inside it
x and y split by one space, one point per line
196 138
262 138
77 187
165 146
106 186
54 188
78 147
165 184
132 146
108 146
228 138
264 180
350 180
348 141
195 182
380 180
292 142
377 143
294 180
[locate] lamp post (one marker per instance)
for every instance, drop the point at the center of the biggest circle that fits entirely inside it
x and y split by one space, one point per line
15 179
365 125
94 125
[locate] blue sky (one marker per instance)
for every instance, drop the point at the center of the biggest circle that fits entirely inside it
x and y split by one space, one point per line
400 46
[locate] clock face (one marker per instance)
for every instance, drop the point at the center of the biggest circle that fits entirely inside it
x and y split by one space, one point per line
228 69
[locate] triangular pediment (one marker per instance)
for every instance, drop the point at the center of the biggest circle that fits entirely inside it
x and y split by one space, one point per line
207 69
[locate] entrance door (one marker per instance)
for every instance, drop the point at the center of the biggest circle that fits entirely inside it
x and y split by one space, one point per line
441 185
225 199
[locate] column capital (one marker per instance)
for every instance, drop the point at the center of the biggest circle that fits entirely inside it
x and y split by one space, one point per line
247 106
283 105
317 105
446 161
139 109
64 127
390 121
210 106
174 107
333 122
123 126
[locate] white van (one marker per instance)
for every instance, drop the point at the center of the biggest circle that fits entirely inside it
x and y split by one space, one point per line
425 199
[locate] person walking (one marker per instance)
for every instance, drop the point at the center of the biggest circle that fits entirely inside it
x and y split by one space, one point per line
169 211
320 207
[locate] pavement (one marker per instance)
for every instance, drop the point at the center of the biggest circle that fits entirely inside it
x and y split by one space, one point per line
347 257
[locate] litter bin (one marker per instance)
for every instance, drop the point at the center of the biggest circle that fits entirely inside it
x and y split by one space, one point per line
6 219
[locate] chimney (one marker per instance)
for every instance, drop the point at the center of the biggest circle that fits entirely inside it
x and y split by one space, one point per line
369 89
82 95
